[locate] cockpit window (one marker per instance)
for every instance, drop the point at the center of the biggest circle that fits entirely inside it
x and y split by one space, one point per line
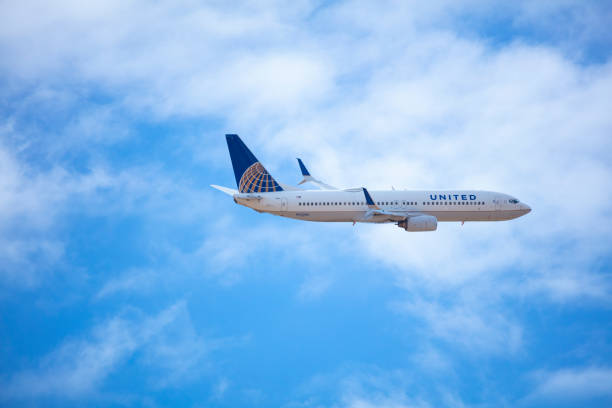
513 201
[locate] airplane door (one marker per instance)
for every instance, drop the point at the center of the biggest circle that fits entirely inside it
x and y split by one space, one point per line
283 204
497 205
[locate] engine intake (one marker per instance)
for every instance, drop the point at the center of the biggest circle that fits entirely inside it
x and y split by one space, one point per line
419 223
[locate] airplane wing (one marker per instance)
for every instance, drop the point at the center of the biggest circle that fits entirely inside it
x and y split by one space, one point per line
308 177
383 216
376 214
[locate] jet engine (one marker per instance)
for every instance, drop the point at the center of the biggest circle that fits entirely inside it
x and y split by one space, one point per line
419 223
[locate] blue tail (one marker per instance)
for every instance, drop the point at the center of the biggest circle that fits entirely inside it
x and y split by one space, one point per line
251 176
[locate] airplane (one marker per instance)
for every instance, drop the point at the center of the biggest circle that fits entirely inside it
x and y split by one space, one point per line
408 209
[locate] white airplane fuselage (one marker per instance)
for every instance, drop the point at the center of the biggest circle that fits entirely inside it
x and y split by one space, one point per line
349 205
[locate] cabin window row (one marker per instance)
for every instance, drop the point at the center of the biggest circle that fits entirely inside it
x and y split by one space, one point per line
332 203
396 203
453 203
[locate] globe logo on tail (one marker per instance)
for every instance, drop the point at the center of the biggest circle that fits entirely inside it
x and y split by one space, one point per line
256 179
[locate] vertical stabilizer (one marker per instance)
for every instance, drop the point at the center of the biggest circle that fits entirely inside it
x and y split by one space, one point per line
251 176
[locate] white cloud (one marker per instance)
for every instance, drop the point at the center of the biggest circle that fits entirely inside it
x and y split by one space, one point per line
369 386
227 256
29 203
37 198
167 342
468 325
572 384
131 281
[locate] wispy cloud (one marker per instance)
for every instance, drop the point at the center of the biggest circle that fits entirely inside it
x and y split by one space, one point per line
369 386
570 385
129 282
476 328
166 343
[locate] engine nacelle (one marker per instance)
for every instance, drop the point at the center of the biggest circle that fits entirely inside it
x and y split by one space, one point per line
419 223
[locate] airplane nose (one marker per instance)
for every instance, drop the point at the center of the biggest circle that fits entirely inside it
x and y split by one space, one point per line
526 208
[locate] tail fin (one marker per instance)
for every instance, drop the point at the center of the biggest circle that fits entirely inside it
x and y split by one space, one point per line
251 176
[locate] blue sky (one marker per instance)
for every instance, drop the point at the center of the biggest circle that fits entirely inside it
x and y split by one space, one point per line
126 281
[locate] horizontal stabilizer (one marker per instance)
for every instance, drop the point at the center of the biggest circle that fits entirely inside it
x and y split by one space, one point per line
226 190
288 187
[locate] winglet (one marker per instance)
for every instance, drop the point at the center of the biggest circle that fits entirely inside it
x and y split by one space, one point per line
305 174
308 177
303 168
369 200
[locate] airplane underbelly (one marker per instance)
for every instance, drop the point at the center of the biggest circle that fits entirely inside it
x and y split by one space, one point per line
459 216
322 216
350 216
